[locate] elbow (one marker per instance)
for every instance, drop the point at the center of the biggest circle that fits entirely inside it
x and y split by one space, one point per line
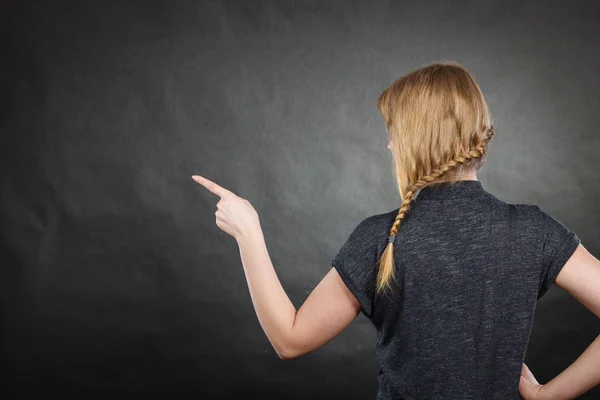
286 353
287 347
284 356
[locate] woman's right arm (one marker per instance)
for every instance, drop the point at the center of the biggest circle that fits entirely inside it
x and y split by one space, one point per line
580 276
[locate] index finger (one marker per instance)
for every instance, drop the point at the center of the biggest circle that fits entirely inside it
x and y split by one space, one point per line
210 185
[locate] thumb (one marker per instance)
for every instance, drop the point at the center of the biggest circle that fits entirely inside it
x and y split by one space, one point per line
528 375
525 389
528 385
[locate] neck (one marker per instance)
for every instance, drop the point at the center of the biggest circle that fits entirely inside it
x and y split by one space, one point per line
470 176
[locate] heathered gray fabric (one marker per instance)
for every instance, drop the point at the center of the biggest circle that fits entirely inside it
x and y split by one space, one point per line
470 269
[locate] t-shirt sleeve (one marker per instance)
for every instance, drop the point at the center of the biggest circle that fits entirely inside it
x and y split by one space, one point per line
356 263
559 243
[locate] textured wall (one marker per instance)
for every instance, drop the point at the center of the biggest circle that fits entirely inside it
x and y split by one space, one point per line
114 277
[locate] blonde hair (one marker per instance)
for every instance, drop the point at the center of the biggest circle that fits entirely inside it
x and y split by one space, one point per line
440 126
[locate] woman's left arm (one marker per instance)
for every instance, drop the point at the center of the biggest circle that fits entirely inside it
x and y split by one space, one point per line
329 309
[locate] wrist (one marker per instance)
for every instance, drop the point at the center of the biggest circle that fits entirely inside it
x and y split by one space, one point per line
249 236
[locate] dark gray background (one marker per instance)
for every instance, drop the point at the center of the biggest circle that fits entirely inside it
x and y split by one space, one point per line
114 277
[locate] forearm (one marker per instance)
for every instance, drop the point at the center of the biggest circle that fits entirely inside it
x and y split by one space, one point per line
275 312
579 377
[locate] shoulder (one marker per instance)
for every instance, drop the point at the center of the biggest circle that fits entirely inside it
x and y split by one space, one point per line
532 214
378 223
529 213
527 218
370 234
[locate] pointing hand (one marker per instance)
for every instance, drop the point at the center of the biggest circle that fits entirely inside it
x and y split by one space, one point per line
235 215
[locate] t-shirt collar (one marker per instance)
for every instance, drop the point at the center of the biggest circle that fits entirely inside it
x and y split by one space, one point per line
445 190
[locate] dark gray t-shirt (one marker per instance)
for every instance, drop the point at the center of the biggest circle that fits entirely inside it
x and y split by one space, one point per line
470 269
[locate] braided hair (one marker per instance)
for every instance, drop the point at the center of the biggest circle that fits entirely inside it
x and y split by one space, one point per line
437 105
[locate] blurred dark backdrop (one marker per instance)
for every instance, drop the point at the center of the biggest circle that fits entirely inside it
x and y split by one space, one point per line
114 278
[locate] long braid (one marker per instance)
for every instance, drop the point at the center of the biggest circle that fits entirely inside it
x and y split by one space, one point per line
386 269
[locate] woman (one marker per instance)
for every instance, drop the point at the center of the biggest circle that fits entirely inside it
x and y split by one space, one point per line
450 279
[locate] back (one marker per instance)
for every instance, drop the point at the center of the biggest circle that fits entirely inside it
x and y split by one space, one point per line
469 271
